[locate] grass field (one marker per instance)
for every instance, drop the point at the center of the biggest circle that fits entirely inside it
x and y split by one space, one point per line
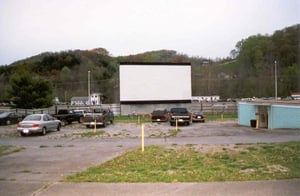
194 163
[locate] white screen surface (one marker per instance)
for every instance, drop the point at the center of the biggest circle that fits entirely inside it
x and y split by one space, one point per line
155 82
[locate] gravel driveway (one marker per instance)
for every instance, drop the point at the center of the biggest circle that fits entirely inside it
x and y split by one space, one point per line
47 159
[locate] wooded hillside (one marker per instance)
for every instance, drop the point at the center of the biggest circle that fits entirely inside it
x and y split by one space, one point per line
248 72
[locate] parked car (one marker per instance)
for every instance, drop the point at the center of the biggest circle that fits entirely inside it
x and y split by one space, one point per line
159 115
38 123
99 116
198 116
67 116
7 118
181 115
81 114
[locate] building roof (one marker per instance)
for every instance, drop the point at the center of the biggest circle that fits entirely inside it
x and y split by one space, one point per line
154 63
272 102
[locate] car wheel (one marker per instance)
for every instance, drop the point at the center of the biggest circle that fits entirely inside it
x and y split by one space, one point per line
8 122
58 127
87 126
44 131
22 134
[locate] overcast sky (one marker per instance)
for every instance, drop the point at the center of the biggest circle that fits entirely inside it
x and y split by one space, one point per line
204 28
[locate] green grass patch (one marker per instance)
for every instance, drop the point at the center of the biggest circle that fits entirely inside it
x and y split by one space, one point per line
190 164
219 117
146 118
5 150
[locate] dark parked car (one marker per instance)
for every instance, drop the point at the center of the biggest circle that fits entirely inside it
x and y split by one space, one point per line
38 123
198 116
99 116
67 116
81 114
7 118
180 115
159 115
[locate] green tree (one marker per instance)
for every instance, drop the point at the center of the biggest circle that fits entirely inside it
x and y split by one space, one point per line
27 92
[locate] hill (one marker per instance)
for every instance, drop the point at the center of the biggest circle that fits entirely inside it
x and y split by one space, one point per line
248 72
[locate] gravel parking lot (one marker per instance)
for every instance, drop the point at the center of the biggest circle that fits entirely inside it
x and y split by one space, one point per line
47 159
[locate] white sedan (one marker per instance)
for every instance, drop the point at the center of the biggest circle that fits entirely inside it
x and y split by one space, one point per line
38 123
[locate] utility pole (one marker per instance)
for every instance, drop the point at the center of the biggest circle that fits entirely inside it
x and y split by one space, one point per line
89 87
275 73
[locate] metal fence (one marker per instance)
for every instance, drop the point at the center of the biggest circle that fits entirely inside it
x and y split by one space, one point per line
53 109
216 107
206 107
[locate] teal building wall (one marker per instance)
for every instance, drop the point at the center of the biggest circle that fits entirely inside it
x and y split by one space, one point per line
246 112
283 116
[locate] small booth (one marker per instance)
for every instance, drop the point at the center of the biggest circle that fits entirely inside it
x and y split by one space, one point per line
269 114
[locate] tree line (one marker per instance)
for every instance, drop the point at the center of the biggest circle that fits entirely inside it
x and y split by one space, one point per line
247 72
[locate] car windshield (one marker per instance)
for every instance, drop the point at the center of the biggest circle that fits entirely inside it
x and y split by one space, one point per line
4 114
158 112
198 112
33 118
178 110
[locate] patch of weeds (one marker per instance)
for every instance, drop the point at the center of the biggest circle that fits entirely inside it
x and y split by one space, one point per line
6 150
92 133
66 135
7 179
252 148
173 132
58 146
45 186
44 146
190 145
119 146
25 171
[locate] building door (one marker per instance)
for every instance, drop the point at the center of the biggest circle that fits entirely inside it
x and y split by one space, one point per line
263 116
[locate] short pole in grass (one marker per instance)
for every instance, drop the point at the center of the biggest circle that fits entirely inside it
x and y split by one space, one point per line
143 142
95 127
